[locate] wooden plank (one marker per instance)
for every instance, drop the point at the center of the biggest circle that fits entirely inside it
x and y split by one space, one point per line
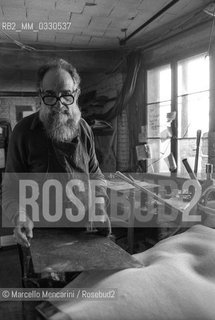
68 250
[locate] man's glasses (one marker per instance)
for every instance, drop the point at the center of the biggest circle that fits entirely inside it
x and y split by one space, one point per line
51 100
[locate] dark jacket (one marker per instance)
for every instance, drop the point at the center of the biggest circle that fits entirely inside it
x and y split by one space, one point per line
31 151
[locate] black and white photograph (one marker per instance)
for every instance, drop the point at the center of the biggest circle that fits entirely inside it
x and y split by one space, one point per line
107 159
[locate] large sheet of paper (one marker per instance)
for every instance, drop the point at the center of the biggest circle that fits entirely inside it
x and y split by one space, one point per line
177 282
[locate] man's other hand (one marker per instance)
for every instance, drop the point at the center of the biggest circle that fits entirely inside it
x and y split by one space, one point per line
23 230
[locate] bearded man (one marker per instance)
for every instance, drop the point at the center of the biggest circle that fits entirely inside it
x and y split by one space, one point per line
53 140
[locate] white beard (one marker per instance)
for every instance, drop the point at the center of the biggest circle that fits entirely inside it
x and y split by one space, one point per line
61 126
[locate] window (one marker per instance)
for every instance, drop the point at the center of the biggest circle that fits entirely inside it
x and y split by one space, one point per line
193 109
159 104
192 113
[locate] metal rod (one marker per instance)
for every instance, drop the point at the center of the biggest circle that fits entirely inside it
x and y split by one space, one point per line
198 138
189 170
154 17
154 195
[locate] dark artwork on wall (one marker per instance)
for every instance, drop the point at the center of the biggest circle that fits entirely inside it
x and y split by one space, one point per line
22 111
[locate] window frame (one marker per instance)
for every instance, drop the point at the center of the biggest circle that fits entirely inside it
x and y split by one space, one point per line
173 62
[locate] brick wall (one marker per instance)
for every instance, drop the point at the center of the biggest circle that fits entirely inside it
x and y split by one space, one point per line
8 106
16 81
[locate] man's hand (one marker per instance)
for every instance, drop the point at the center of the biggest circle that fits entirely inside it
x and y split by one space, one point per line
23 230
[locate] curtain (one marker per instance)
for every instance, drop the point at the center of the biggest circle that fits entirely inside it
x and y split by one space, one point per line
135 106
131 101
134 62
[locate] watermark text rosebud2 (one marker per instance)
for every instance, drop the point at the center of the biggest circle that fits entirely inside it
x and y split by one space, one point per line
58 200
63 200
